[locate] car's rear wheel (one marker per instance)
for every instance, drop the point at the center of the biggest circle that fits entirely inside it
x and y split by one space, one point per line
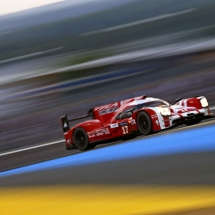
144 123
80 139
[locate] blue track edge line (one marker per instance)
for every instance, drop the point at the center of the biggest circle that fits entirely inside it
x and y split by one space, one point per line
187 141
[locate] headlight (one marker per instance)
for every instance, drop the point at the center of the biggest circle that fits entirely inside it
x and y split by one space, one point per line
204 102
165 111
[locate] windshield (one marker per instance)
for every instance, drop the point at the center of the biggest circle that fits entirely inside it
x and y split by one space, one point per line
128 112
150 104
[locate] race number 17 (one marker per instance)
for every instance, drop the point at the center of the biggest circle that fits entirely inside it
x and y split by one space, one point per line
125 129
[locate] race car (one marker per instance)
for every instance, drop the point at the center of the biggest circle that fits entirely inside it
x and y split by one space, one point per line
140 115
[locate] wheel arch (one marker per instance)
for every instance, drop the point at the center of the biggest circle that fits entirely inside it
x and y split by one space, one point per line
154 118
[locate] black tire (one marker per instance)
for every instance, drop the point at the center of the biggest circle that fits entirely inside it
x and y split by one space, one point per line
80 139
144 123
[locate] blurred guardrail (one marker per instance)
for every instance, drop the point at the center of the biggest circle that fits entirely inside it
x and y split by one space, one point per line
32 116
141 55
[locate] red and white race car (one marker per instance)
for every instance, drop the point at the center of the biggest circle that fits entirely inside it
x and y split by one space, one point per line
136 116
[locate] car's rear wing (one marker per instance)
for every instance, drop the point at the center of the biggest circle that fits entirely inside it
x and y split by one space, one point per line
65 121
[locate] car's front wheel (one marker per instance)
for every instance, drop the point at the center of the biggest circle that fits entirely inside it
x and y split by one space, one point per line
80 139
144 123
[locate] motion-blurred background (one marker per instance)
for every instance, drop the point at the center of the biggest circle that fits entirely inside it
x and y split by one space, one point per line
69 56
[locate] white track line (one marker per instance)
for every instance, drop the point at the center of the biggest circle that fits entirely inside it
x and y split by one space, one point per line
61 141
32 147
212 108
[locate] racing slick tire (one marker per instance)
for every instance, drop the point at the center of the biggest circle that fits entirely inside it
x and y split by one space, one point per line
80 139
144 123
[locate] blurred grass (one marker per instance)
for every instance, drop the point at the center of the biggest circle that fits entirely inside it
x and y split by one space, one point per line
87 56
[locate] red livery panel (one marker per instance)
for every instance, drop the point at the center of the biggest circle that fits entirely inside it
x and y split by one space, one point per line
131 117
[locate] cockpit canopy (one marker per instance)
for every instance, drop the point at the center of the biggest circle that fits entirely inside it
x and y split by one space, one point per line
134 107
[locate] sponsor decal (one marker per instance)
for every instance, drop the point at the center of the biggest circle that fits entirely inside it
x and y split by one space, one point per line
91 135
109 110
123 123
115 125
125 129
102 131
154 116
133 122
106 109
157 122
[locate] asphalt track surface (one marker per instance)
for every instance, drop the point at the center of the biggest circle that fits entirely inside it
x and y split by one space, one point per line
185 180
34 120
49 152
171 172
